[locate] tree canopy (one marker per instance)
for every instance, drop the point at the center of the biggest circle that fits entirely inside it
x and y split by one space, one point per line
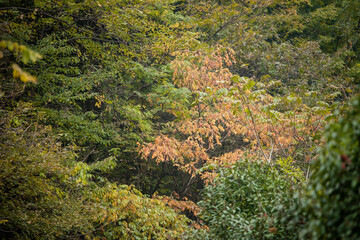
179 119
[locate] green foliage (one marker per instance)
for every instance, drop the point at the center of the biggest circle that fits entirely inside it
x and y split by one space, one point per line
331 200
334 23
105 85
40 197
242 202
46 194
127 214
101 59
306 45
168 98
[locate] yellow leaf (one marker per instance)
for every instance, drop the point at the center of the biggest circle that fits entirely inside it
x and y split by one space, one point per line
24 76
3 221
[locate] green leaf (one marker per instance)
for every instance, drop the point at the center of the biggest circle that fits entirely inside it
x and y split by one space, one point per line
248 85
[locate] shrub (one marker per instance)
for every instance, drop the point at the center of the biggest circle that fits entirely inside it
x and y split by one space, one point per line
242 203
332 197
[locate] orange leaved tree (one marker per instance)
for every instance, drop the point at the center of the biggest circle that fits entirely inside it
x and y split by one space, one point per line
226 116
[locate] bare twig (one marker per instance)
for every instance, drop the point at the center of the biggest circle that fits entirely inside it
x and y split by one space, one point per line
254 128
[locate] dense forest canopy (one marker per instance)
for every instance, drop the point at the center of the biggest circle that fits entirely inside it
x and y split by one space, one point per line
179 119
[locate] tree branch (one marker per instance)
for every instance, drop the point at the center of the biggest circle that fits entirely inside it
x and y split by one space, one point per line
67 23
48 15
254 128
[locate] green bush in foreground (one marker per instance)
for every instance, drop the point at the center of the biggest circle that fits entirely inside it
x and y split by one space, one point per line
242 203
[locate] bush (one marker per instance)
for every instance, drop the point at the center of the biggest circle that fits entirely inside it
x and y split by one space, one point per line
242 203
332 198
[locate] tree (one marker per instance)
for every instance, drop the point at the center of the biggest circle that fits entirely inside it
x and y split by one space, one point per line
96 73
224 107
50 191
284 41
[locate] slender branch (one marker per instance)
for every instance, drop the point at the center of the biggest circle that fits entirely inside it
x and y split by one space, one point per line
221 141
99 39
48 15
86 157
272 150
67 23
277 138
236 17
186 188
254 127
101 226
231 21
145 86
307 173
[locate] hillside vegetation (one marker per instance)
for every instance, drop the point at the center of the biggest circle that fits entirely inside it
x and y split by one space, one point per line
179 119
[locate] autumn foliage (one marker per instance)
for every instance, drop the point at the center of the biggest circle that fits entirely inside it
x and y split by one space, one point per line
129 119
225 106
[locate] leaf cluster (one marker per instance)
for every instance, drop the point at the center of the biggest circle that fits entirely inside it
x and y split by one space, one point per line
332 196
242 202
